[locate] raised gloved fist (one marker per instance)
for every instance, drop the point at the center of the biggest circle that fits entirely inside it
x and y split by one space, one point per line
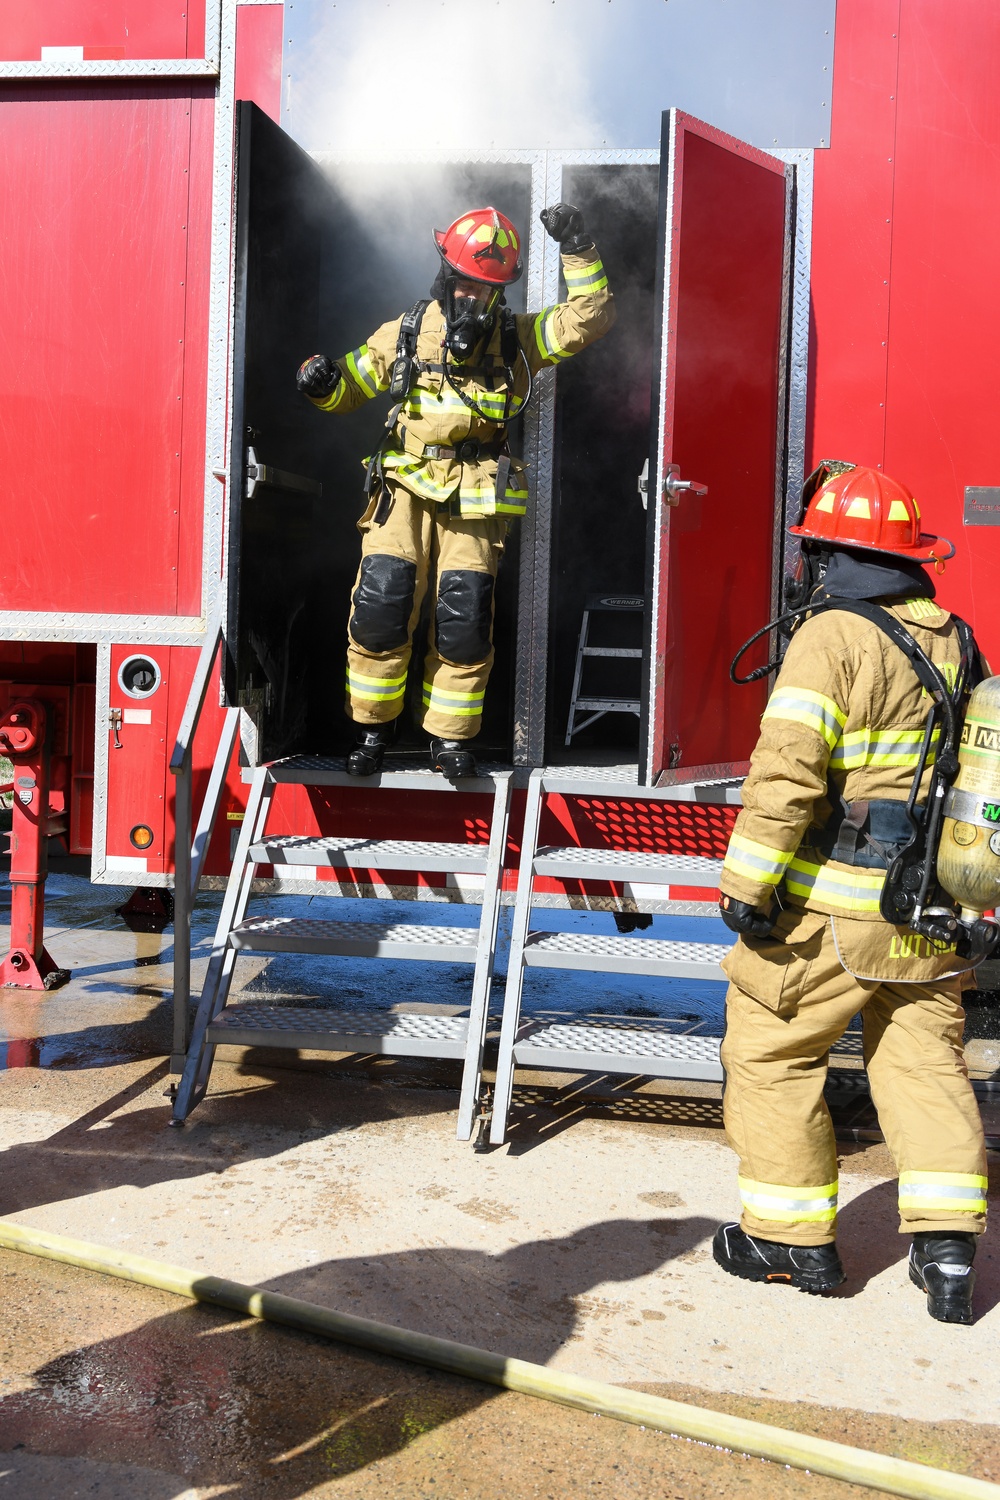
317 376
740 916
564 223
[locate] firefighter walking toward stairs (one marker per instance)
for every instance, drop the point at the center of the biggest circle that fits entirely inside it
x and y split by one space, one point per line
809 863
443 486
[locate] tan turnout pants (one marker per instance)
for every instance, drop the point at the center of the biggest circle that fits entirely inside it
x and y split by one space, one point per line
422 546
787 1004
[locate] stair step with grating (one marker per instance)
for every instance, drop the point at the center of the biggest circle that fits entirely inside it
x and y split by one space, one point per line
445 945
625 864
596 1045
370 854
624 955
402 1034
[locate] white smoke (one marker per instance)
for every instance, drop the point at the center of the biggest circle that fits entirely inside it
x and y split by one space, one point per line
397 79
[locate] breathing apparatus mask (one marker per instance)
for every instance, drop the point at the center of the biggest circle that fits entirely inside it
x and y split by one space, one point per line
470 312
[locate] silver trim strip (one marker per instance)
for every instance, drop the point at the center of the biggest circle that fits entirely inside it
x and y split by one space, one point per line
664 386
214 589
531 669
139 630
798 351
102 708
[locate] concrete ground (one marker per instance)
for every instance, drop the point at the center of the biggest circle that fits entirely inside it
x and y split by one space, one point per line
583 1244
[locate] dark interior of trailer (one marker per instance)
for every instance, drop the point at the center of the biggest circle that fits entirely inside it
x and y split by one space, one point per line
324 256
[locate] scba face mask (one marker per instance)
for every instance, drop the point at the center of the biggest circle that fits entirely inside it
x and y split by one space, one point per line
470 313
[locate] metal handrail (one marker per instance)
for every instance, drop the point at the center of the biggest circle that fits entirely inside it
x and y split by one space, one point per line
190 851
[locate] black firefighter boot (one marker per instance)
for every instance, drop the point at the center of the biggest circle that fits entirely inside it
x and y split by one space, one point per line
452 758
941 1266
366 757
811 1268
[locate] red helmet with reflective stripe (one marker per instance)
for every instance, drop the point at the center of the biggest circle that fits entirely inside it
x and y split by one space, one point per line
865 508
482 245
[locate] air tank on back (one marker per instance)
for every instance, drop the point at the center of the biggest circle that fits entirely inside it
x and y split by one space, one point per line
968 863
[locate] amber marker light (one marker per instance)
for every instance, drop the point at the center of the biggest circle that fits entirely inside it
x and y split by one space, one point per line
141 836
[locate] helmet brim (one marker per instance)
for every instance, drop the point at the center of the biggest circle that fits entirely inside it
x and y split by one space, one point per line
928 548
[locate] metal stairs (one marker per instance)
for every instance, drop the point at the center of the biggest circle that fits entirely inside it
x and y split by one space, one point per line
655 1048
381 1030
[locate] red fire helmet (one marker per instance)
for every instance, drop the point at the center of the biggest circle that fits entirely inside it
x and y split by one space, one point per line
865 508
482 245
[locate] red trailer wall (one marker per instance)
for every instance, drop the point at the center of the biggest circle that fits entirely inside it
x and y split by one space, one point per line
906 296
107 30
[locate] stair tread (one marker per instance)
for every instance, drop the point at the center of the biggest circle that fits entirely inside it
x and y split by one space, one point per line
282 1018
628 859
608 945
367 853
617 1037
257 931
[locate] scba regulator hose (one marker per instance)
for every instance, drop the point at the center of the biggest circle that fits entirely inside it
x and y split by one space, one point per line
893 1475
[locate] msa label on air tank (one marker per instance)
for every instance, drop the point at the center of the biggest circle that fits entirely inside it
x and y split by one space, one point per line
980 737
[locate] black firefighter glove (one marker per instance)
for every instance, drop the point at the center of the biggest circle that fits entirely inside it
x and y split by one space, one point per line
565 224
740 916
318 376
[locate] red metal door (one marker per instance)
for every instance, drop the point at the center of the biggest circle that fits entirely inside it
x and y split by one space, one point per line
717 420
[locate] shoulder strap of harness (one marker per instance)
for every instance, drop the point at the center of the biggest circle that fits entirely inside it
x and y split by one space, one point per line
401 377
509 347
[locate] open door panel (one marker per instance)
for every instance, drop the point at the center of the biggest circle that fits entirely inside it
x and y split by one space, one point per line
324 255
717 422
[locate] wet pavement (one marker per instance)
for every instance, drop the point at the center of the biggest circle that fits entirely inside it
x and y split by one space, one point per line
583 1245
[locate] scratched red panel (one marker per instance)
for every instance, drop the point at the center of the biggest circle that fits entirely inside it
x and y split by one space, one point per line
945 311
102 353
106 29
852 237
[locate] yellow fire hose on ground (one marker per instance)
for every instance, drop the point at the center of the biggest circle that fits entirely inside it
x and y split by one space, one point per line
894 1475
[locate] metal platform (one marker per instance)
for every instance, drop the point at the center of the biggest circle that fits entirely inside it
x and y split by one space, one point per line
407 773
403 1034
614 1046
413 1034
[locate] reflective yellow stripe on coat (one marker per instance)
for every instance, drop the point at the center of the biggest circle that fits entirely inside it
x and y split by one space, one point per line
849 890
789 1205
802 706
756 861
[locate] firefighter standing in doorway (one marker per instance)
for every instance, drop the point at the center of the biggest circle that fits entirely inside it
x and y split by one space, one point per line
442 486
823 816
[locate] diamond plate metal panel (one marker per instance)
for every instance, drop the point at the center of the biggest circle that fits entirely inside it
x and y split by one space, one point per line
370 854
798 344
407 1034
447 945
624 955
615 864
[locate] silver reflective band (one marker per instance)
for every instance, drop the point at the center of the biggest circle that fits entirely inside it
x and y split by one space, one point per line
969 807
939 1190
